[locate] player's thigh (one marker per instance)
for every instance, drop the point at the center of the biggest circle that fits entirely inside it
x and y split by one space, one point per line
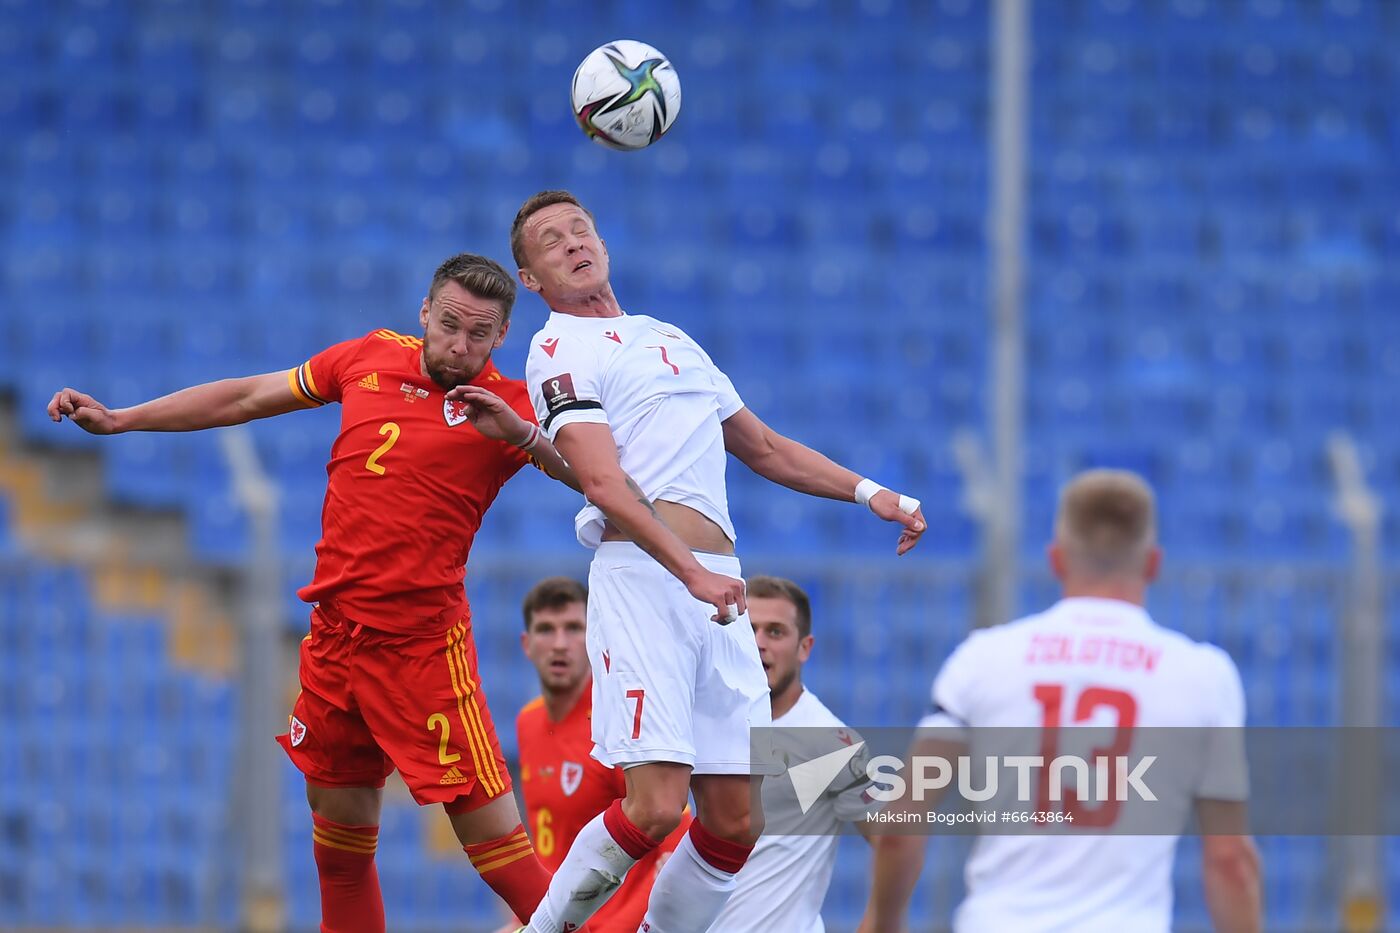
423 701
348 806
732 706
657 792
494 819
645 662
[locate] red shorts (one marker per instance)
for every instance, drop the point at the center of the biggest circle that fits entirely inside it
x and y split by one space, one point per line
372 701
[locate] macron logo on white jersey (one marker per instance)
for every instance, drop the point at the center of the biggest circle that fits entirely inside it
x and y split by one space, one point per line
811 778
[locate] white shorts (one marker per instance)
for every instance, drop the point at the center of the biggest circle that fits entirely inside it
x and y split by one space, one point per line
668 683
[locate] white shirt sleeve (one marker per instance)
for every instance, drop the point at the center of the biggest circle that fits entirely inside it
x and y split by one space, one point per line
953 688
565 384
1224 768
729 401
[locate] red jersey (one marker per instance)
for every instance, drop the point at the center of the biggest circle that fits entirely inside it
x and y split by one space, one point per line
565 787
409 481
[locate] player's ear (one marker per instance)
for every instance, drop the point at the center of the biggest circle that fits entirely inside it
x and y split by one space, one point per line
501 334
804 648
1153 565
1055 556
423 314
525 642
527 278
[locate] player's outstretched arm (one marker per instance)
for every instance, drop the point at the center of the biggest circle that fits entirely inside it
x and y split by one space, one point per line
492 416
796 466
210 405
591 451
897 861
1230 868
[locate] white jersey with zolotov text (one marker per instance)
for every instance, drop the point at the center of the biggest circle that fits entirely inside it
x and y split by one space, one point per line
784 882
1097 663
659 392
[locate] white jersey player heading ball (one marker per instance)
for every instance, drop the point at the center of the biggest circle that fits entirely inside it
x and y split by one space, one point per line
1095 653
645 418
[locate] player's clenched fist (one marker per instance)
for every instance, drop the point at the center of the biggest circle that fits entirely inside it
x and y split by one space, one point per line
726 594
83 410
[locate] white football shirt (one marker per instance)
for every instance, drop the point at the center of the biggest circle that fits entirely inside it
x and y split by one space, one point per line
659 392
1087 662
783 884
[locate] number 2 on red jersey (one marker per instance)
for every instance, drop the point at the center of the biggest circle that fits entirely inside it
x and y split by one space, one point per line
1051 698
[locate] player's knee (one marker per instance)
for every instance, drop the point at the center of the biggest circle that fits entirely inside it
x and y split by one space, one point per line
738 826
742 828
658 819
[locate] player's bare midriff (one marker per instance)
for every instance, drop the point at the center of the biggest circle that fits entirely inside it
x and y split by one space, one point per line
698 532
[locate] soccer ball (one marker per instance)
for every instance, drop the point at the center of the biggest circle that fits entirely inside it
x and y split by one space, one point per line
626 94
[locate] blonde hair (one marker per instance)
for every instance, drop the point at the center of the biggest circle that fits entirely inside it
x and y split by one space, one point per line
1107 523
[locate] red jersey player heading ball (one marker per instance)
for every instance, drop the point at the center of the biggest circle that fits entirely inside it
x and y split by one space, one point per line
410 477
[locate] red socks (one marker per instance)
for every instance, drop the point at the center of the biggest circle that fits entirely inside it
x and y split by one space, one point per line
350 898
510 867
719 853
626 834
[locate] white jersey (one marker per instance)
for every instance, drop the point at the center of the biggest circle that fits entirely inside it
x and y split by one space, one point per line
1091 662
783 884
659 392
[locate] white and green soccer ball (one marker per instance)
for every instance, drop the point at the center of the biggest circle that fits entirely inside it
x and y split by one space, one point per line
626 94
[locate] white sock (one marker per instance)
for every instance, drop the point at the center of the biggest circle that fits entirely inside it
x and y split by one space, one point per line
688 894
590 873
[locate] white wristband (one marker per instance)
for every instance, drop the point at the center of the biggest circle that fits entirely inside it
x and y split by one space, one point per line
532 439
866 489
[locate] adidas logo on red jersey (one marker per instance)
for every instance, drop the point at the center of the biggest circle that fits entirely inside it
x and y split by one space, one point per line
454 776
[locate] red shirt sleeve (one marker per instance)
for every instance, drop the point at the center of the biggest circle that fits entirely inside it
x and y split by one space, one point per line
318 381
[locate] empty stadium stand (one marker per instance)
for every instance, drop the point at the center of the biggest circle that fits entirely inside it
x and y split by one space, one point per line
195 190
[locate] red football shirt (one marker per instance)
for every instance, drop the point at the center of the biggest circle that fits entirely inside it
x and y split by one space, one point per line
565 787
409 481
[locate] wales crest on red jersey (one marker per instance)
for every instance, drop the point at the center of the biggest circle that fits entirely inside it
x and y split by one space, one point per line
570 776
454 412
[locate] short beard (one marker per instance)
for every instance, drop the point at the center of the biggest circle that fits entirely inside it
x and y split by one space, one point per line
782 686
439 378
